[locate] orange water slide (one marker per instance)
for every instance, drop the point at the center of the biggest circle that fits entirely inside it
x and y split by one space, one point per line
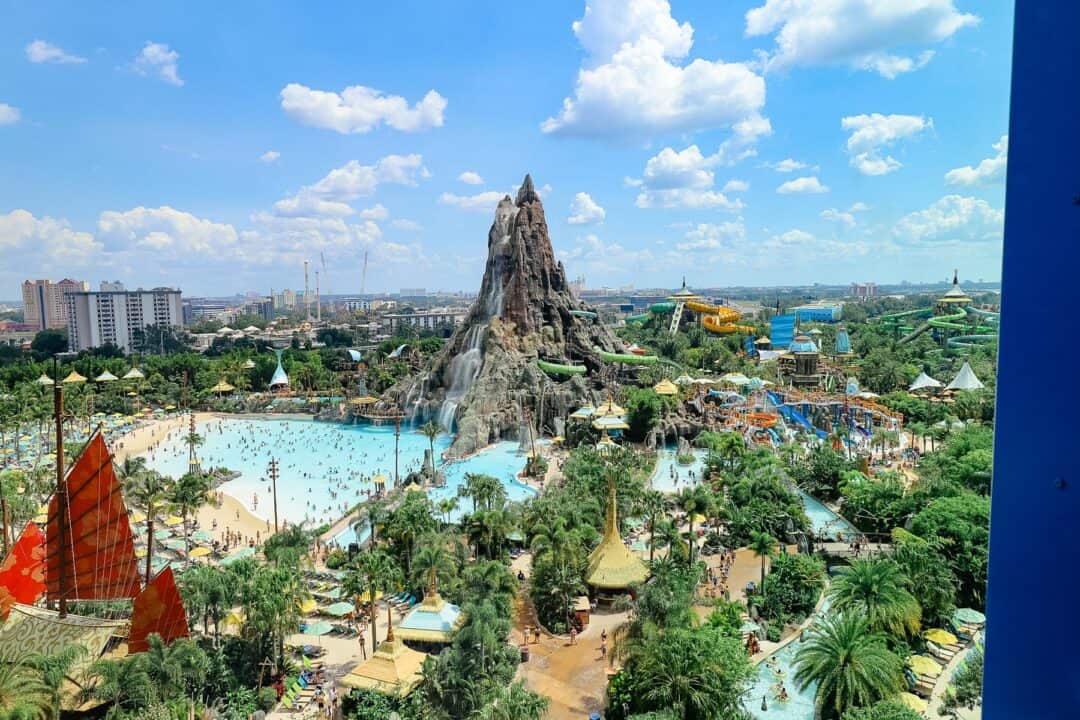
718 318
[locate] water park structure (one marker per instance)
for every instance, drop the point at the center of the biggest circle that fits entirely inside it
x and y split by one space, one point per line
718 319
946 320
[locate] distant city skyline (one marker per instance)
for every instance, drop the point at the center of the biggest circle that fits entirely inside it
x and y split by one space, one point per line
753 143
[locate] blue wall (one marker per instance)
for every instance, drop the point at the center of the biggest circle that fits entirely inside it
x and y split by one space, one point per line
1033 645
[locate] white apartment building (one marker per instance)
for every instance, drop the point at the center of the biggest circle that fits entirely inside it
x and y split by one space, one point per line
423 319
45 303
98 318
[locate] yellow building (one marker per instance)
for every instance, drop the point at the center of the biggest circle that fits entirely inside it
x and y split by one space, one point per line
612 566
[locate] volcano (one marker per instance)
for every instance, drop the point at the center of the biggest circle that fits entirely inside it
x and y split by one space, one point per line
486 376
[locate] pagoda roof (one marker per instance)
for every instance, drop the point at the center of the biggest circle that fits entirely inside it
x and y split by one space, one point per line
612 566
433 620
665 387
393 669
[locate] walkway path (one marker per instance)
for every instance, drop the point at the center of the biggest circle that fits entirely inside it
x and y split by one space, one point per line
574 676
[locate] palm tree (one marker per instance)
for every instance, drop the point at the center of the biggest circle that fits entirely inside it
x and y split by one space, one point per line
22 693
667 534
55 668
487 529
762 546
431 561
653 504
556 539
431 430
731 446
151 492
877 588
694 501
131 469
850 662
446 506
515 702
370 573
187 495
565 585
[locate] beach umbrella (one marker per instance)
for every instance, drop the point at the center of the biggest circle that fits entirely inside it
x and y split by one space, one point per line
366 597
749 627
234 618
912 701
939 636
338 609
105 376
202 536
133 374
968 616
44 380
306 607
332 594
73 377
173 520
162 534
176 544
317 628
138 517
140 552
924 665
244 552
200 552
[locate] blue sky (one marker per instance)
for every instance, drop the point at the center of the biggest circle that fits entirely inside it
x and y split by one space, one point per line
214 146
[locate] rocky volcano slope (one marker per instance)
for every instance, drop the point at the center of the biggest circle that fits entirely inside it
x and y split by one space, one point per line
486 376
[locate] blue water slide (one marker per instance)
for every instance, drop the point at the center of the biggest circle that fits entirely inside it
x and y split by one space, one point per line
790 414
775 437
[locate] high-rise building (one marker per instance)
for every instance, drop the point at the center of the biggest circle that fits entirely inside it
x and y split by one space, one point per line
864 290
114 316
44 303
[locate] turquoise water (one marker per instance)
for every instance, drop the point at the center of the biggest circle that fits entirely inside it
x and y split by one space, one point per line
824 522
325 468
800 705
666 463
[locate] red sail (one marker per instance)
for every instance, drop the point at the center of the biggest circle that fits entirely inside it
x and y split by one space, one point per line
158 609
22 576
91 553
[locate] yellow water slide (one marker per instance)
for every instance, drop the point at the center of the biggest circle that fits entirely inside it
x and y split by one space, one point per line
718 319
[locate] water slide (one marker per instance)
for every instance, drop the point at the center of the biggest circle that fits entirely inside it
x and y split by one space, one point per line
627 358
966 342
990 317
655 309
718 319
559 368
792 415
583 313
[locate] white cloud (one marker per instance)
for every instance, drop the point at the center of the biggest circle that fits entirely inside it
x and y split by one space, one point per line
405 224
157 60
307 204
803 185
377 212
593 255
9 115
792 238
480 202
43 240
860 34
585 211
870 134
788 165
950 220
687 198
169 232
269 156
858 207
358 109
990 170
674 179
471 178
635 81
734 186
40 51
353 180
713 236
834 215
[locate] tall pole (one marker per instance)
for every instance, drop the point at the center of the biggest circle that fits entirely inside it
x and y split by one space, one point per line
273 485
307 293
61 491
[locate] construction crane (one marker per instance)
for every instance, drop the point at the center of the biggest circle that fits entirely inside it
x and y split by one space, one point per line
326 279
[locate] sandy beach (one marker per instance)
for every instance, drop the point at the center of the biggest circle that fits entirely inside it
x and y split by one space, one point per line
231 514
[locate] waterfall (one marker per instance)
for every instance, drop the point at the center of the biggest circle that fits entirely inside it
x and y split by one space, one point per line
463 371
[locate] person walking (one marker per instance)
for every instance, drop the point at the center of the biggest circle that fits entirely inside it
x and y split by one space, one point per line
573 636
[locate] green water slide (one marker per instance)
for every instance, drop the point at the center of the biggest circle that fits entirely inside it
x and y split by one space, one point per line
966 342
662 307
627 358
949 322
637 318
893 318
559 368
583 313
990 317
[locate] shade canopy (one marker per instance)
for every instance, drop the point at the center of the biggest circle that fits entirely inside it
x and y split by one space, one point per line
73 377
912 701
924 665
968 616
611 564
105 377
200 552
317 628
964 380
133 374
433 620
923 382
222 387
665 387
939 636
338 609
